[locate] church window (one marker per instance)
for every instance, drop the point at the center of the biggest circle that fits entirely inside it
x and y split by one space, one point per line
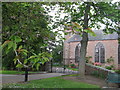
99 53
77 52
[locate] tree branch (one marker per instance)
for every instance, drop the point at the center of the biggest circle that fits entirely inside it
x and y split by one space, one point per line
19 60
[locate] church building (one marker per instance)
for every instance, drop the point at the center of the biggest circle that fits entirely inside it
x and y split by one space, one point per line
102 48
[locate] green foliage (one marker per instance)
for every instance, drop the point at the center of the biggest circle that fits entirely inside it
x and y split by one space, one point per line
105 13
14 72
72 66
37 60
34 60
90 32
109 60
19 66
57 53
110 67
78 29
16 39
25 28
11 43
117 71
74 69
88 59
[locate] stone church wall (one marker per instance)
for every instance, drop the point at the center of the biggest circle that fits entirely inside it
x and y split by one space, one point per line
111 49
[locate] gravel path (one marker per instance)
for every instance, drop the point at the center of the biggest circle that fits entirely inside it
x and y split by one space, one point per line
20 78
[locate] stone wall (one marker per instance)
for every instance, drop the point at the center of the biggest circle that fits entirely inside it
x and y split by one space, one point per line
111 49
97 71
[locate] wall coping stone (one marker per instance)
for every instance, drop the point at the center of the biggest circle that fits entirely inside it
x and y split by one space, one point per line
111 71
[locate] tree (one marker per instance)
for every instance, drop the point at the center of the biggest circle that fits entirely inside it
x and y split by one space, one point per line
89 15
58 53
26 35
21 55
30 22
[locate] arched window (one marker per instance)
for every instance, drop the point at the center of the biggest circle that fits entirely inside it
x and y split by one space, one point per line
77 52
99 53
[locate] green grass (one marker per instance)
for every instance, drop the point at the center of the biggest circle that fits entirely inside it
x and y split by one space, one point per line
54 82
74 69
71 75
14 72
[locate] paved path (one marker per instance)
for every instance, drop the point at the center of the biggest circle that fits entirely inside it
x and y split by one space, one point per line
20 78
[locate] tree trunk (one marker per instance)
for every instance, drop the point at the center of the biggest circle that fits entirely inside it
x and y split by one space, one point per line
51 66
84 42
26 74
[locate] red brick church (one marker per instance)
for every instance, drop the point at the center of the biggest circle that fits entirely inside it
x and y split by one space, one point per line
100 49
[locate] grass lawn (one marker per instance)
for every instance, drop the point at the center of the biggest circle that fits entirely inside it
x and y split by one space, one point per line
74 69
14 72
54 82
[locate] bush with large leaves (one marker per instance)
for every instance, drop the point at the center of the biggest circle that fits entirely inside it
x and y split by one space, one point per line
21 58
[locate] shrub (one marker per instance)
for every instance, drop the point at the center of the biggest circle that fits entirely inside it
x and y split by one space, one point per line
109 60
117 71
66 65
72 66
97 64
109 67
88 59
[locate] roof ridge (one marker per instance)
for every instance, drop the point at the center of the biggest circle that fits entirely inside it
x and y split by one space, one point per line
100 36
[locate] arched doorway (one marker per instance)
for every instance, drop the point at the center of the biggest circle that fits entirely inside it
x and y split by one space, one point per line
99 53
77 53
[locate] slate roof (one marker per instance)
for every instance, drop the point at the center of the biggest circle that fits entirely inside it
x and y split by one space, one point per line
100 35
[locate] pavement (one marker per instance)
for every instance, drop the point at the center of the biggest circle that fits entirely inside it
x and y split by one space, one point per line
20 78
